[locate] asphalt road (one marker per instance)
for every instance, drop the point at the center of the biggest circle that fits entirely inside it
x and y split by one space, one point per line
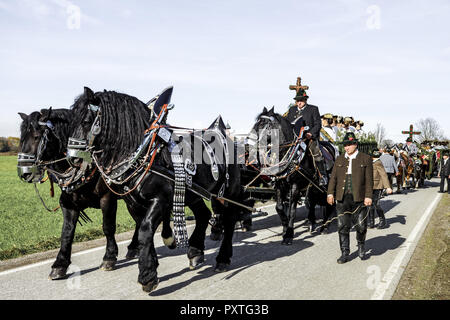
261 267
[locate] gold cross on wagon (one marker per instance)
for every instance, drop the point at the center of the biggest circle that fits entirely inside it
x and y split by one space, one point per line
298 86
411 132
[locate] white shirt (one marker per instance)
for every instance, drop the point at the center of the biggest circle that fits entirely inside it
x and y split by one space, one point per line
331 132
353 156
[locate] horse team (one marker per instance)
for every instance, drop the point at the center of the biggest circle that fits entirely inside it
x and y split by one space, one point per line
110 146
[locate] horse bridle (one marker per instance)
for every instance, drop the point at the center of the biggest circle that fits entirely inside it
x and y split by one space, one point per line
80 148
35 169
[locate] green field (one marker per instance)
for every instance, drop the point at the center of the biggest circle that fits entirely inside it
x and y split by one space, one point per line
26 227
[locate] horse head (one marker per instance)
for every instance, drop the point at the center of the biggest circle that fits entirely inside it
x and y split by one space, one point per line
107 123
41 140
271 131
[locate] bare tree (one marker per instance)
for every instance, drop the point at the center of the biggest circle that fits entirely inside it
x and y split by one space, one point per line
380 133
387 143
430 130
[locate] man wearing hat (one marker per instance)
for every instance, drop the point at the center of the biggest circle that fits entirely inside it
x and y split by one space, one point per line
410 147
327 133
358 129
311 117
380 182
389 164
351 185
348 124
444 172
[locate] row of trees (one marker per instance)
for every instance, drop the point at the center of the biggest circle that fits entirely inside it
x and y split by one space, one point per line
10 144
429 128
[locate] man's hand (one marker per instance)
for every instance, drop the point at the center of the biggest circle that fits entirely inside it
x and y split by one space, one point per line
308 135
367 202
330 199
389 191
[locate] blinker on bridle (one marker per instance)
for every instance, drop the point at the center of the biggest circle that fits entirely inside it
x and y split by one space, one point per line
79 148
35 170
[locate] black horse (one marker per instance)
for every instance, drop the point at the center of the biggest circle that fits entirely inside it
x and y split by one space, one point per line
113 126
43 142
294 178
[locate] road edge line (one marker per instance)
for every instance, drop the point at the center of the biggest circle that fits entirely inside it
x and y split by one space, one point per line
386 288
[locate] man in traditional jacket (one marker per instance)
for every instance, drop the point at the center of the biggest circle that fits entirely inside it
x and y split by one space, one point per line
389 164
444 172
411 147
311 117
351 185
380 182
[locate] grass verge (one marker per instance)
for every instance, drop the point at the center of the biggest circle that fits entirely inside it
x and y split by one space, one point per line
427 276
26 227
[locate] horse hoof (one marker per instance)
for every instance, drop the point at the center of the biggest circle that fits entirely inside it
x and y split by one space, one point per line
107 265
58 273
312 228
324 230
151 286
222 267
132 254
197 261
170 243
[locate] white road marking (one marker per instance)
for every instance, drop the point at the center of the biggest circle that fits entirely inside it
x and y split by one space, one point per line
388 284
41 263
38 264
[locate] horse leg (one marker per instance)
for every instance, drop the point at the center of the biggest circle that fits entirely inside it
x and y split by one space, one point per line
166 232
280 208
148 260
293 199
70 214
202 215
312 214
223 259
108 204
216 227
329 210
399 179
133 247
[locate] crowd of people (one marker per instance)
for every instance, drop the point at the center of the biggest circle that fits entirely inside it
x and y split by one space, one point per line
358 180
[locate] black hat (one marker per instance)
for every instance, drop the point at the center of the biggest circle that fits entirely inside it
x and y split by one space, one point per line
349 139
301 95
376 153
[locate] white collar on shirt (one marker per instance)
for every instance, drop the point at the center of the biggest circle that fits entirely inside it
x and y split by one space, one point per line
353 156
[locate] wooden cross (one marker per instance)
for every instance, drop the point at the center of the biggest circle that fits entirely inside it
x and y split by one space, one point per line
411 132
298 86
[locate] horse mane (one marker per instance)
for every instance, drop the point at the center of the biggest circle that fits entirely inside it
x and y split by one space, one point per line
60 118
63 125
124 120
30 121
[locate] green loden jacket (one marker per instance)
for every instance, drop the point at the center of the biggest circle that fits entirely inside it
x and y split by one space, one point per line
362 177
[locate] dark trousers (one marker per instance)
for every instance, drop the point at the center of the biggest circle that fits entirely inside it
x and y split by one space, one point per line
443 182
390 177
376 208
345 221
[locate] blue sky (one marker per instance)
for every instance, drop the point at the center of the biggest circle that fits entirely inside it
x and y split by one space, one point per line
379 61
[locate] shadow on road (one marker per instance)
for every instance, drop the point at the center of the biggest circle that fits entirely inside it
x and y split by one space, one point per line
245 256
380 245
